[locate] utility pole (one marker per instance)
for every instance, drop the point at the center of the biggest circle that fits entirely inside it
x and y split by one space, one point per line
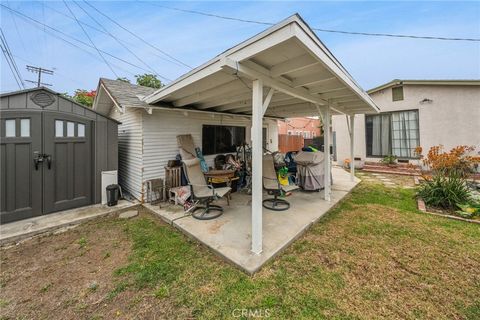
39 70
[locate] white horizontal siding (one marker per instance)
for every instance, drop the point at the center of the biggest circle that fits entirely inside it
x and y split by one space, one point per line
130 150
162 127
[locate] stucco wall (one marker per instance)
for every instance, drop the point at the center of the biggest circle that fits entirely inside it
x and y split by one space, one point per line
451 119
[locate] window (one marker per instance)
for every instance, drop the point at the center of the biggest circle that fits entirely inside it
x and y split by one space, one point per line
10 128
24 127
395 133
221 139
58 128
397 93
405 136
70 129
81 130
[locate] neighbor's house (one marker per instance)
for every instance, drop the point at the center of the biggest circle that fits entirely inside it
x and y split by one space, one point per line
307 127
147 135
413 113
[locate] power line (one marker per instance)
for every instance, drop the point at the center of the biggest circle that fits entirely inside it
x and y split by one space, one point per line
136 36
118 40
11 60
28 19
319 29
16 28
106 33
90 39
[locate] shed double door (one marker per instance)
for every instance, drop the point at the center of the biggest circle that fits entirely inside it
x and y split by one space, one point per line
46 163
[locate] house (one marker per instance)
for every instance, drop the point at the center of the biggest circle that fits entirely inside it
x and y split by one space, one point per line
147 135
413 113
53 153
282 72
307 127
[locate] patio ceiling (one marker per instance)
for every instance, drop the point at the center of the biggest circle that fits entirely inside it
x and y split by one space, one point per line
298 74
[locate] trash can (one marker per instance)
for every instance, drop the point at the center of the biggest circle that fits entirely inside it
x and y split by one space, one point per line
112 195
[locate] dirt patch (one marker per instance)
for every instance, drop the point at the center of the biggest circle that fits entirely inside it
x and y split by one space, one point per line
68 275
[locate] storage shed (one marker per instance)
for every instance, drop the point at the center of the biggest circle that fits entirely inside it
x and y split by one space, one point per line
53 152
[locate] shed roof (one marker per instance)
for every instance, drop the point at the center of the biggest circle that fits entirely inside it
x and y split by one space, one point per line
287 57
424 82
61 96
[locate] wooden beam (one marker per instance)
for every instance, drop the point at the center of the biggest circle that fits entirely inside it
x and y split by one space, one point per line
312 79
294 64
300 93
210 93
267 100
243 95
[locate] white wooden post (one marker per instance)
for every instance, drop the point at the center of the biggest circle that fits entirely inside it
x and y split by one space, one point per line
326 143
352 147
257 159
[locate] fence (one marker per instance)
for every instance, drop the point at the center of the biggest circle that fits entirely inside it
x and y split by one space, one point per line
289 143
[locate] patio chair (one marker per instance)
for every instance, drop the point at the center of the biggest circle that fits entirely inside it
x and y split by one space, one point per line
273 186
202 192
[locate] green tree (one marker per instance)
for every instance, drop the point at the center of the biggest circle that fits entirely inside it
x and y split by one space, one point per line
84 97
148 80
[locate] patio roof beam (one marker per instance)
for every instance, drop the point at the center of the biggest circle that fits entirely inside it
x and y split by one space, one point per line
294 64
227 99
311 79
207 94
300 93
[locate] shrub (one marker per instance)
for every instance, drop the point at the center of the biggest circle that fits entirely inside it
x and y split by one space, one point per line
444 191
389 159
457 160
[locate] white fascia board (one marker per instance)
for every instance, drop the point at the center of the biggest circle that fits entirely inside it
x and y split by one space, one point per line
104 89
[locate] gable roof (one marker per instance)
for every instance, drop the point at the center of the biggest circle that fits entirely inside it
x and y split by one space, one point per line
289 58
122 93
438 82
59 95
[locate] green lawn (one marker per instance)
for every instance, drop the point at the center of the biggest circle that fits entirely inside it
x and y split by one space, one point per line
374 256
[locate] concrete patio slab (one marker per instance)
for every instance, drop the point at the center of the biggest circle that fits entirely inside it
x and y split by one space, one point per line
230 234
24 229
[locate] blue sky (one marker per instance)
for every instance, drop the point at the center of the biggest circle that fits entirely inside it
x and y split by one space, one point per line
194 39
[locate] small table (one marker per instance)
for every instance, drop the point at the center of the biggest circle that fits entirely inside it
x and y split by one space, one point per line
222 176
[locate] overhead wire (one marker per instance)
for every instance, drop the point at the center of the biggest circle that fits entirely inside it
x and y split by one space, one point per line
120 42
16 29
137 36
103 32
11 60
375 34
90 39
30 19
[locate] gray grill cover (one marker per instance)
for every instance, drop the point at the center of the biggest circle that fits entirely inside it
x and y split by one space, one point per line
310 170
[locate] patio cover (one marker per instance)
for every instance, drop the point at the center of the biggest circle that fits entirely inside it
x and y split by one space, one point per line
285 71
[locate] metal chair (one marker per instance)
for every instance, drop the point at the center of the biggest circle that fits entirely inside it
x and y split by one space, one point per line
203 192
273 186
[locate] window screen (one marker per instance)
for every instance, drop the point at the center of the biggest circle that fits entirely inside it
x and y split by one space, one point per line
221 139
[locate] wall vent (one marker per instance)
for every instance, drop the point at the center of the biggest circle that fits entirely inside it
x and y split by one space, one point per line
42 99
